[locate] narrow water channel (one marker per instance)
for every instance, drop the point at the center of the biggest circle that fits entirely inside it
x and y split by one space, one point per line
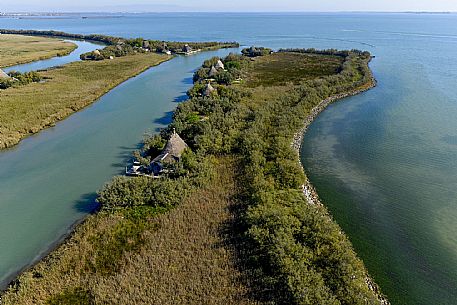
83 47
48 181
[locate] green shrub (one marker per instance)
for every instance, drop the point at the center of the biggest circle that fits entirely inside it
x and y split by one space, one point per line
74 296
109 247
18 79
256 51
124 192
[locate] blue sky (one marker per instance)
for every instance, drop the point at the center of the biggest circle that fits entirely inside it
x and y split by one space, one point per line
231 5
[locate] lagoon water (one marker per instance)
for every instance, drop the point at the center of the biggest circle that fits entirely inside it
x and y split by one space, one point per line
384 162
82 47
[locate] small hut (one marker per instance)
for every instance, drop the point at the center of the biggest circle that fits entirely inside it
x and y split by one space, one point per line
208 90
145 44
187 49
164 49
220 65
3 75
171 153
97 52
213 72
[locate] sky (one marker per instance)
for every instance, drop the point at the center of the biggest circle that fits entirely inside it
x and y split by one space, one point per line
226 6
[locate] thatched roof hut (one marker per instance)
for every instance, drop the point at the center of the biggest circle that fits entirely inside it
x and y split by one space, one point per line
3 75
220 65
213 72
170 154
208 90
145 44
97 52
172 151
187 49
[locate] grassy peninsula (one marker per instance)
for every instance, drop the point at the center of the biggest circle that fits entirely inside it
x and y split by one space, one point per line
19 49
229 223
120 46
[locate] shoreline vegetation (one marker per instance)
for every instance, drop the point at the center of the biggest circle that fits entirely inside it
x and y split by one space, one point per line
308 189
30 106
118 46
229 220
21 49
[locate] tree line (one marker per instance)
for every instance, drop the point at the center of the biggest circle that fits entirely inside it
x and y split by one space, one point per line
118 46
18 79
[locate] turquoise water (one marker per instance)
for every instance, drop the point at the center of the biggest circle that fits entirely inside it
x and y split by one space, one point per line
82 47
385 162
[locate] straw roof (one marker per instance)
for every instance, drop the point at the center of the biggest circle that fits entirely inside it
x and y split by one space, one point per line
173 150
3 74
220 65
208 90
97 52
212 72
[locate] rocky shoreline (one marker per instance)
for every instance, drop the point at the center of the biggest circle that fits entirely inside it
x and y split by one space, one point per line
308 189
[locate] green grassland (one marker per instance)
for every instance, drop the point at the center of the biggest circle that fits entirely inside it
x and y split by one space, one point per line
25 110
230 225
19 49
280 69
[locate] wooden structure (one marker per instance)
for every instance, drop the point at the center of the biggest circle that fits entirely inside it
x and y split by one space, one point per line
171 153
213 72
209 90
220 65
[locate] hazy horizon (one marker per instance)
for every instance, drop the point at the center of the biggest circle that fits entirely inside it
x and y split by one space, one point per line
55 12
112 6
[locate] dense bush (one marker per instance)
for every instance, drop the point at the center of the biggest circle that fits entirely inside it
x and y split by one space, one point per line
175 46
256 51
6 83
74 296
305 253
18 79
233 63
120 47
142 191
92 37
139 45
342 53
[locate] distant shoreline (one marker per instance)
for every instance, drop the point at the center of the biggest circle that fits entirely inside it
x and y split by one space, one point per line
120 14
